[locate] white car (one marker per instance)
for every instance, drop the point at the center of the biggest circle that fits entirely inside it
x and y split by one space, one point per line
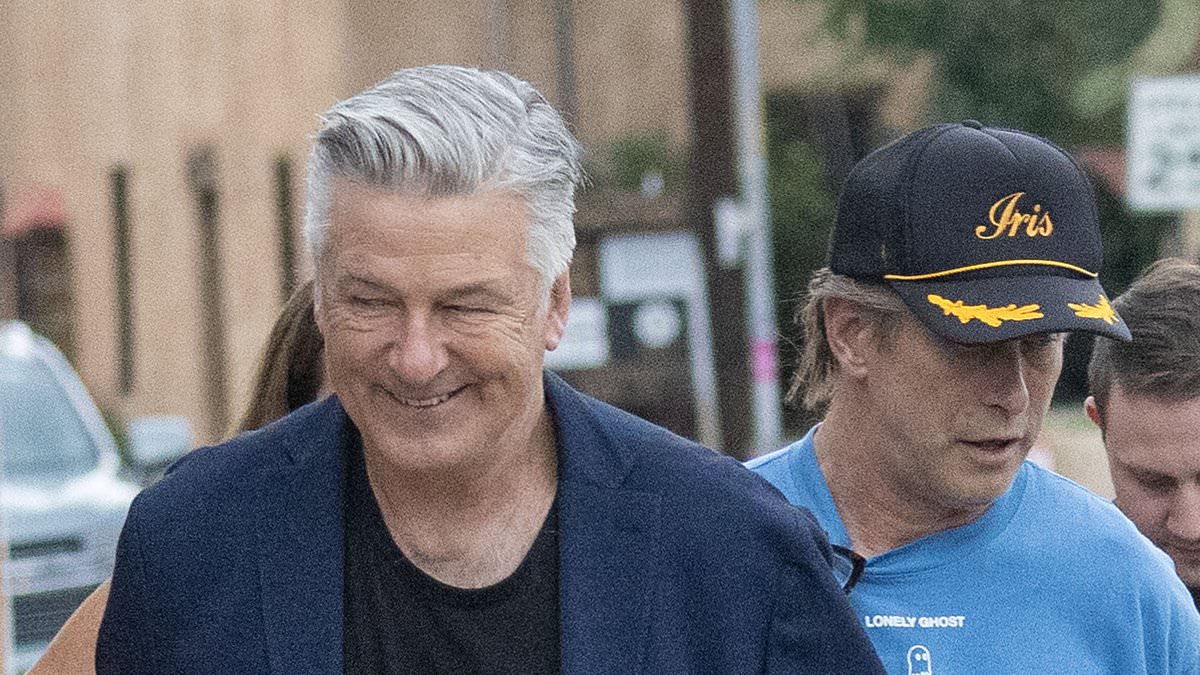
62 503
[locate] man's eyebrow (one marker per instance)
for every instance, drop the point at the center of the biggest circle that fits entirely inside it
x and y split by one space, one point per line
351 279
1147 473
479 290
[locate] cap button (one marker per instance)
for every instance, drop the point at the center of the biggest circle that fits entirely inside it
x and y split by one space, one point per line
974 124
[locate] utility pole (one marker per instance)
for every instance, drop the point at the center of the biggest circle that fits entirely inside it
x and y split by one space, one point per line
726 161
712 176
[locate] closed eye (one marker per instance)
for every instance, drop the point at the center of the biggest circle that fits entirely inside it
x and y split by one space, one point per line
469 309
1159 484
367 302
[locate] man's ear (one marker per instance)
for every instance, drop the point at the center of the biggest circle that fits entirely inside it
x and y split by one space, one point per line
556 312
1093 411
852 335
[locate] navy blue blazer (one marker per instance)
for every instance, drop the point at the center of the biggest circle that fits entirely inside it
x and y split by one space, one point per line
673 558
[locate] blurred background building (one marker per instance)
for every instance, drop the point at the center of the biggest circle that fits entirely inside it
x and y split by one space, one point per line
153 153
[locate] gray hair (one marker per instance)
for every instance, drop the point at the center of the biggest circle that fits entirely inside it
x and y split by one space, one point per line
444 131
815 379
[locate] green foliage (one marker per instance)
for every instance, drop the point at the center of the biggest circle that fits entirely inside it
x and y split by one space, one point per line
1059 69
1047 67
633 157
802 208
1130 241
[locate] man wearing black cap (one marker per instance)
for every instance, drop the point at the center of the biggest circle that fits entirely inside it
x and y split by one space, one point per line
960 256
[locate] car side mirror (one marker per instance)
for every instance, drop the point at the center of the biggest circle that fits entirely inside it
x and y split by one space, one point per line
156 442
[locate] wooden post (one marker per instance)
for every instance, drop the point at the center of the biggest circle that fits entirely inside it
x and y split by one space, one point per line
712 174
8 281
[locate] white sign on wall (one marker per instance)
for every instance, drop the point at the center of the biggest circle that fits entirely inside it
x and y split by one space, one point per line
659 265
585 342
1164 144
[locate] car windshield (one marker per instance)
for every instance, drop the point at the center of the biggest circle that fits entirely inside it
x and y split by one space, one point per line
41 433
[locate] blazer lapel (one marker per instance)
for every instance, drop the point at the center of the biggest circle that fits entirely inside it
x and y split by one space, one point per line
300 551
608 545
607 577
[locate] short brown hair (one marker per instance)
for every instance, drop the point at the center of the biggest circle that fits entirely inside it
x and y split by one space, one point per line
815 378
1162 310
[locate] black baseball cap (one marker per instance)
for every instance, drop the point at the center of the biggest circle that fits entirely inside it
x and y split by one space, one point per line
986 233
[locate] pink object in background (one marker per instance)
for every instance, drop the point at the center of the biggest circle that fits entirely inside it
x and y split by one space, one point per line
31 206
764 361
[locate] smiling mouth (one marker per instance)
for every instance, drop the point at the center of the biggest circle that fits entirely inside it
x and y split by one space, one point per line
425 403
993 445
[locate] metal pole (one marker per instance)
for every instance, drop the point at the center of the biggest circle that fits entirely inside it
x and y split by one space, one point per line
5 621
752 181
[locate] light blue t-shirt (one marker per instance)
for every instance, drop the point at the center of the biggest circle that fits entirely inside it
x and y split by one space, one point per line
1051 579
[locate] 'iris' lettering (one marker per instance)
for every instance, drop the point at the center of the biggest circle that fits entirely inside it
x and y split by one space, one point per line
1006 219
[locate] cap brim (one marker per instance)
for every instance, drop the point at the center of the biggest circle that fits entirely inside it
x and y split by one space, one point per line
987 310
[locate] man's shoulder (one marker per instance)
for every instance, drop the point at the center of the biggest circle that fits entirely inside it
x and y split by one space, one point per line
1100 553
1058 498
1078 522
700 488
227 472
683 465
782 468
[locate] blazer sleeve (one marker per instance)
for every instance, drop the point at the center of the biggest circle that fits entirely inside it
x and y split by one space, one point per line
813 627
128 641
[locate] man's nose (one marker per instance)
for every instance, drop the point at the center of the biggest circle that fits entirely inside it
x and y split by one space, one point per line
417 354
1183 521
1005 379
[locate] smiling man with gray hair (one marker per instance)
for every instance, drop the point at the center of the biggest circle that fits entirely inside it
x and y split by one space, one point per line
453 507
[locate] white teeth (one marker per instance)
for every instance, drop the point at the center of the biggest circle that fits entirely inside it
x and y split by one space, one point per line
426 402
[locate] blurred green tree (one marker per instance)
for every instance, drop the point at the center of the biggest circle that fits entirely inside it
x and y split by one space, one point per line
1058 69
802 208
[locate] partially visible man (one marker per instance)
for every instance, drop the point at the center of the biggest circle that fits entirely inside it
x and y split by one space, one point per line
1145 397
453 508
933 340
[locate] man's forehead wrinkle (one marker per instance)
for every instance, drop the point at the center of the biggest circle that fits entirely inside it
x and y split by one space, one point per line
433 240
498 285
351 241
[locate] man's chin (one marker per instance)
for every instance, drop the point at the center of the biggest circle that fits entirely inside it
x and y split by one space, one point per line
425 452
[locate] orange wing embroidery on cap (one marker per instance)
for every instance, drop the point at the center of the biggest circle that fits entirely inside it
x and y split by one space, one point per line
1101 310
992 316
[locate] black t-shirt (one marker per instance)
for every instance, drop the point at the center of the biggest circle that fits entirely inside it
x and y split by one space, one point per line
400 620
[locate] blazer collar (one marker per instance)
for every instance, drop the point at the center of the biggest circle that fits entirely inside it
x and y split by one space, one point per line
608 539
588 451
300 543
